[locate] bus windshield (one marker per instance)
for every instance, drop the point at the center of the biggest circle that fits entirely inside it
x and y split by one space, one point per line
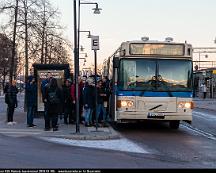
155 75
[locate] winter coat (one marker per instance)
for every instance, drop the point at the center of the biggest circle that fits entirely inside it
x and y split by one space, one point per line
31 94
67 96
101 99
79 92
11 96
57 107
89 96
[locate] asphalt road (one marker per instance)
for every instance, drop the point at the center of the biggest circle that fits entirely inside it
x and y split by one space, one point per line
192 146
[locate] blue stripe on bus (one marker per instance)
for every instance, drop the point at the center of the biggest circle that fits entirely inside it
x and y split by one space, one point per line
155 94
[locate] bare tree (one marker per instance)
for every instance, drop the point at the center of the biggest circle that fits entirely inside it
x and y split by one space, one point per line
5 57
37 33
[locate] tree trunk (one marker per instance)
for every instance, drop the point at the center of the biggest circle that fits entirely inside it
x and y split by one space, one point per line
14 42
26 50
43 33
26 41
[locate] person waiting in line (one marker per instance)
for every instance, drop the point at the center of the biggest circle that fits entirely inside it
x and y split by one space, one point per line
11 100
67 102
44 85
88 101
31 100
80 96
106 86
53 98
101 95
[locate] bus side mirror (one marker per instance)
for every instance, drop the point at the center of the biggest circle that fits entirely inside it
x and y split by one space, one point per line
116 62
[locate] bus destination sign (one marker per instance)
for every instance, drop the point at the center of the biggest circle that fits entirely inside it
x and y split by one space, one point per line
157 49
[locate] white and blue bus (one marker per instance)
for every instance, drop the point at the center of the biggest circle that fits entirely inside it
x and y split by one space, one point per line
151 80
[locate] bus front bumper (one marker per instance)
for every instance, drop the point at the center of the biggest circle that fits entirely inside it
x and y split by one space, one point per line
145 116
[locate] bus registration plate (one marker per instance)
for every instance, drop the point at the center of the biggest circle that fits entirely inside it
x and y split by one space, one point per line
155 115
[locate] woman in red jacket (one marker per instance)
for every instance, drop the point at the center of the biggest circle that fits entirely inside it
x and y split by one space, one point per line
80 97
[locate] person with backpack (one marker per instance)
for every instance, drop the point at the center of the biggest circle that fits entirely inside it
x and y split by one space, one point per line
44 85
53 99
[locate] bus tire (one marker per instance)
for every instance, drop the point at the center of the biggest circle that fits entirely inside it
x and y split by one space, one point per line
115 125
174 124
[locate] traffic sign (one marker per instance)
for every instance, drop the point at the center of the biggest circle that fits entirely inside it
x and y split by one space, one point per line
95 42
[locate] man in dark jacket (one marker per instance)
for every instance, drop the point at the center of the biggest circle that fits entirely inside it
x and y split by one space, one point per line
31 98
44 86
101 95
88 101
11 101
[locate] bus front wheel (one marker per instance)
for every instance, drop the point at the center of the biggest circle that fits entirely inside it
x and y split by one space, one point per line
174 124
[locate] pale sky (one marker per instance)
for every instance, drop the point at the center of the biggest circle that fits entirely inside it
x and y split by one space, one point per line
123 20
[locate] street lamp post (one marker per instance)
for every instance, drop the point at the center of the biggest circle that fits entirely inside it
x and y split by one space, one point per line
95 47
76 55
95 59
96 11
76 68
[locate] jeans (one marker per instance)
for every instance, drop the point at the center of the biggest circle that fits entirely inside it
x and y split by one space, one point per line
101 108
88 115
30 114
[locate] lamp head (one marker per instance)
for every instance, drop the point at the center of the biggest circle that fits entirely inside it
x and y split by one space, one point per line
82 48
96 9
89 35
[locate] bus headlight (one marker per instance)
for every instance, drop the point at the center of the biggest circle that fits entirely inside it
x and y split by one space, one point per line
186 105
125 104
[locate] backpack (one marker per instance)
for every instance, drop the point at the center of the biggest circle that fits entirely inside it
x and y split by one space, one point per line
53 97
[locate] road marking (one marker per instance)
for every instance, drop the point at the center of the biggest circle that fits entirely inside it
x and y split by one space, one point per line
204 115
114 144
19 132
198 131
29 133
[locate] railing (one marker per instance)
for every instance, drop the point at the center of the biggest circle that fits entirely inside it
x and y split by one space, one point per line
205 64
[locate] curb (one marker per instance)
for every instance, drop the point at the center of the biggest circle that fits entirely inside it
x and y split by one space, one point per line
94 135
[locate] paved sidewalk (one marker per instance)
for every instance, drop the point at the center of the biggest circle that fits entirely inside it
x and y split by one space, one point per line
65 131
207 103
